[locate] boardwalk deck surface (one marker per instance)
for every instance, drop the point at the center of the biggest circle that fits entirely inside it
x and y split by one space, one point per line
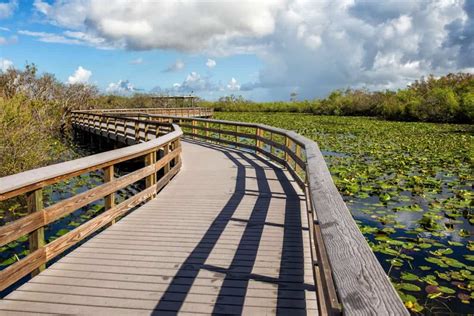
228 235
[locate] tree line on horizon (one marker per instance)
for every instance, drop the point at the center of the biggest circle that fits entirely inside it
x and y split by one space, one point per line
447 99
34 109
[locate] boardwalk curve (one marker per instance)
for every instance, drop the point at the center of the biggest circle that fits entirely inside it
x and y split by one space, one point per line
233 232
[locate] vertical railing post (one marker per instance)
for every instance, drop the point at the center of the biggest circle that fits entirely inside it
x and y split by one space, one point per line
107 127
258 142
207 129
236 138
137 131
287 148
272 148
115 128
166 150
146 131
298 154
150 159
220 129
194 129
36 238
176 145
157 130
109 200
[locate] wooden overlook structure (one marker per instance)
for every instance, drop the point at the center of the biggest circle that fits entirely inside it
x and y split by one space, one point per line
234 218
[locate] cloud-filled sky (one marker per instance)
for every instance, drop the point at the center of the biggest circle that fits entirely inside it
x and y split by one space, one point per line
262 49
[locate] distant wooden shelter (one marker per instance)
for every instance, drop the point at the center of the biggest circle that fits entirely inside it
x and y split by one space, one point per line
174 101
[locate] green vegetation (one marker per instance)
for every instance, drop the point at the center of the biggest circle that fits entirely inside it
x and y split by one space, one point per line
446 99
33 118
409 186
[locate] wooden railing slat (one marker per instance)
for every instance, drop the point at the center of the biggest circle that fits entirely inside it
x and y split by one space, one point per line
343 261
33 179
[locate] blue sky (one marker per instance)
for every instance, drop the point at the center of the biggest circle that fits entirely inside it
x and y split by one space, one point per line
262 50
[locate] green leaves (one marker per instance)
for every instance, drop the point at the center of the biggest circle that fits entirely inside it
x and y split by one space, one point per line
409 276
410 287
408 185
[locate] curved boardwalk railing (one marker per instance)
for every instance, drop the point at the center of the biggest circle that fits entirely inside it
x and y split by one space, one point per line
179 111
340 251
348 276
162 153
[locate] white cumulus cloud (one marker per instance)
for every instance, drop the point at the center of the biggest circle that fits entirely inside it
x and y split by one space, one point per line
122 87
194 82
211 63
7 8
314 46
81 75
233 85
5 64
166 24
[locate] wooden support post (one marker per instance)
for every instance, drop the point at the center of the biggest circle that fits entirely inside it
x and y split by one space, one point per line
220 135
146 131
177 144
272 148
166 150
109 199
194 123
36 238
298 154
107 127
258 142
157 130
207 129
287 147
236 138
150 159
137 131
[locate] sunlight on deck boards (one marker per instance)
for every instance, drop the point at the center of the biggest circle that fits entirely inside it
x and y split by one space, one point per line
227 235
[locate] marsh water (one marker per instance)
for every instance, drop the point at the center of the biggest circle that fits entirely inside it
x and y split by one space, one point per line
409 186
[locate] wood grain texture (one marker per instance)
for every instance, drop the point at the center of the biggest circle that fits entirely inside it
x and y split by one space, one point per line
36 237
222 250
362 285
42 255
333 240
37 178
37 219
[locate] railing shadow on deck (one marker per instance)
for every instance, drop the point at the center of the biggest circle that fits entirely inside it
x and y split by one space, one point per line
348 276
229 295
346 272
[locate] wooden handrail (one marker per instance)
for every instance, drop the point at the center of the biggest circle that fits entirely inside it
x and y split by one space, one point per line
349 277
31 182
177 111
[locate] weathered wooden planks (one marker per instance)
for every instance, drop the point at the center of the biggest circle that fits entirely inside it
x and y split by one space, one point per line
217 249
32 182
332 234
33 179
344 255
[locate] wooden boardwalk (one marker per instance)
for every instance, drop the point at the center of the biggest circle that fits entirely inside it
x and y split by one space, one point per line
254 225
228 235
